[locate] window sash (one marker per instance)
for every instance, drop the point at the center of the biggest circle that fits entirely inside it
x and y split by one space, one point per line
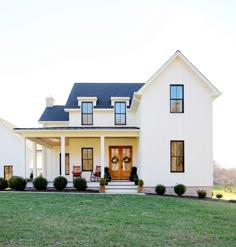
87 113
120 113
87 159
177 156
176 98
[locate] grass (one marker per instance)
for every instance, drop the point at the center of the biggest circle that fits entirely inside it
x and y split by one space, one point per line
63 219
226 195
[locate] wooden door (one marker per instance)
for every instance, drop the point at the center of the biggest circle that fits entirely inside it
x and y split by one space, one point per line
120 162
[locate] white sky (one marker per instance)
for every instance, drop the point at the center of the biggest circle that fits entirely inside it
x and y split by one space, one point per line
47 45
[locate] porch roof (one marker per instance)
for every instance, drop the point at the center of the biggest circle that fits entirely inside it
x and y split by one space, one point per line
50 136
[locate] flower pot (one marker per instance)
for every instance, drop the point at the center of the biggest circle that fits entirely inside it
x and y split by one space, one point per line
102 189
140 189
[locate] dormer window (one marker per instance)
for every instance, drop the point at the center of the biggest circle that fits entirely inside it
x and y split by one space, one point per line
86 105
87 113
120 113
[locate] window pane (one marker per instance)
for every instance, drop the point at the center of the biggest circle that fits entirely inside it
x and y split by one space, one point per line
117 110
173 92
122 119
89 119
90 107
179 94
178 106
122 107
84 107
90 154
118 119
173 106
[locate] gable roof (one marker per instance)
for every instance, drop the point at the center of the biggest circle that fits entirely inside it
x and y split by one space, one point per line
55 113
103 92
213 90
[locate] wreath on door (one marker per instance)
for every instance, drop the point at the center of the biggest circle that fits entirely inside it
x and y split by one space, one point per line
126 159
114 160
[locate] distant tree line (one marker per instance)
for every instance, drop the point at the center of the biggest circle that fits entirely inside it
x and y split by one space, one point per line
225 177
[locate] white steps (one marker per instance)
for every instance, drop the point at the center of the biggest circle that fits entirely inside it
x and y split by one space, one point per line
121 187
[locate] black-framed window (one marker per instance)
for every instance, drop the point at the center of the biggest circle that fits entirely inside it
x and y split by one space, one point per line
176 98
87 113
120 113
8 171
87 159
177 156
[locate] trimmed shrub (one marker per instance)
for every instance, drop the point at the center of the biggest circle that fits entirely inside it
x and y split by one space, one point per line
179 189
102 182
160 189
80 184
219 195
17 183
60 183
201 194
40 183
140 183
3 184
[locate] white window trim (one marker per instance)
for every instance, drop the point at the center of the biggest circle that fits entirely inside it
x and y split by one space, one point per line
120 99
87 99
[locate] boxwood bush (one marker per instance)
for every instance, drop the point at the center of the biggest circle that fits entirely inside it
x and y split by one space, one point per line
17 183
60 183
160 189
180 189
80 184
201 194
219 195
40 183
3 184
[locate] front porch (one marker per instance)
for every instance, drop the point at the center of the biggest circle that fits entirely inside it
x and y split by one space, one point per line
88 147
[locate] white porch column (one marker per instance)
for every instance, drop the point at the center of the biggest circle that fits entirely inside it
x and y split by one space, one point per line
24 158
63 155
34 160
102 155
44 161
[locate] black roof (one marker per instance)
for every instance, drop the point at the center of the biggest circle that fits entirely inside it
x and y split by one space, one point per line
103 92
55 113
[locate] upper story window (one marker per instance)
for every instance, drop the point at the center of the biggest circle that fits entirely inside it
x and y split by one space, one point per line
176 98
87 113
120 113
177 156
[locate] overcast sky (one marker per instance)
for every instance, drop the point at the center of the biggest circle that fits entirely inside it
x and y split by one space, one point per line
47 45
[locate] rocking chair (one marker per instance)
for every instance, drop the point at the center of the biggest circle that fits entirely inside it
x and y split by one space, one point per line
96 175
76 172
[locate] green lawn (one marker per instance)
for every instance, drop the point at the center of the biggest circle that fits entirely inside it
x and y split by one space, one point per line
57 219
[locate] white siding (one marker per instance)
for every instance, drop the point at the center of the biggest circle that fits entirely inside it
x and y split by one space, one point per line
159 127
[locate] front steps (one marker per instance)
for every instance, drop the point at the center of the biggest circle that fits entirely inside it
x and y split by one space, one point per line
121 187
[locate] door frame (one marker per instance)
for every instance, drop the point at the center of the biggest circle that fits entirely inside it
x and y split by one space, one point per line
120 148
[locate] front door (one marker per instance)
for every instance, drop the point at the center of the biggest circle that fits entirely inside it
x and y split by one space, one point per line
120 162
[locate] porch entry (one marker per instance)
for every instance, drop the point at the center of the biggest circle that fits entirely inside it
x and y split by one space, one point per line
120 162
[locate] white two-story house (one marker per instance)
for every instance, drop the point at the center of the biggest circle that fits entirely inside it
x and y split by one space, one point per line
163 127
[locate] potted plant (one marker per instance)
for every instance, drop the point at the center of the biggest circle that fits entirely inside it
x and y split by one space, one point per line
102 183
140 185
133 175
107 175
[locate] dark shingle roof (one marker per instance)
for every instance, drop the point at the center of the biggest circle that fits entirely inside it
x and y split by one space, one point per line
103 91
55 113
